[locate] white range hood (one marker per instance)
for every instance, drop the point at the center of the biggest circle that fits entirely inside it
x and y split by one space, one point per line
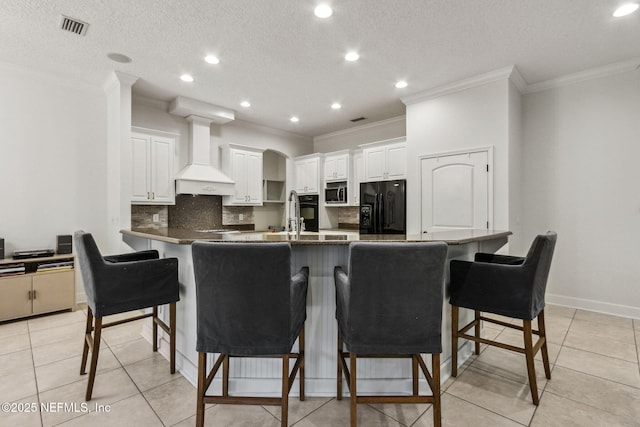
199 176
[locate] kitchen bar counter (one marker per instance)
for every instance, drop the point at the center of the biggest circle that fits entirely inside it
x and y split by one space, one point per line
320 252
186 237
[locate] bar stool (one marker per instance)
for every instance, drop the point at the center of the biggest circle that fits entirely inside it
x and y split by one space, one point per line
509 286
390 305
248 305
120 283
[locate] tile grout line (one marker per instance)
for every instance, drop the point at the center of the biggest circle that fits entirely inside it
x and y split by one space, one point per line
487 409
325 403
35 377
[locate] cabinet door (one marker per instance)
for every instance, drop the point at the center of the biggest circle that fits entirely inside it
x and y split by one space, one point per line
396 161
53 291
161 161
311 173
358 177
140 185
15 295
238 173
254 178
342 167
330 170
374 164
300 176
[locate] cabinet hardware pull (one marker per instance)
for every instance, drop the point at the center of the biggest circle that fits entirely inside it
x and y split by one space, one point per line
34 294
153 195
29 295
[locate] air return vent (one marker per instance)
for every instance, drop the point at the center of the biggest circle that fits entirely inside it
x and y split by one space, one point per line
358 119
73 25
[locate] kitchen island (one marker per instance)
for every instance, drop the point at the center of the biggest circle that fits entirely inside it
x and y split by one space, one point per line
321 252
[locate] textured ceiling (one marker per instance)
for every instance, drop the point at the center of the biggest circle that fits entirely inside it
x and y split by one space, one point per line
286 61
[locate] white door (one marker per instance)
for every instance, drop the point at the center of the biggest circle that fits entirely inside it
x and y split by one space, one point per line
455 191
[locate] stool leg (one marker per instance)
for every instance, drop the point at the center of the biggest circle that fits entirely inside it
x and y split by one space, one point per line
285 390
352 390
437 405
477 330
87 337
339 365
154 328
97 332
172 336
531 369
545 351
202 374
454 341
414 373
301 356
225 375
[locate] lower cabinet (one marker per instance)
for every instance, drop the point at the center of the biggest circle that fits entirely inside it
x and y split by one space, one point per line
36 293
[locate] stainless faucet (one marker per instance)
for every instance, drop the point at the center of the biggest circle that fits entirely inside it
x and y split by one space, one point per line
293 196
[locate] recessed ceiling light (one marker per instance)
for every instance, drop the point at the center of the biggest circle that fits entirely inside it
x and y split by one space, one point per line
323 11
401 84
352 56
625 9
245 104
186 78
211 59
336 106
294 119
119 57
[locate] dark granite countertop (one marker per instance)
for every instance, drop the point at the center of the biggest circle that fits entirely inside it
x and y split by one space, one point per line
186 237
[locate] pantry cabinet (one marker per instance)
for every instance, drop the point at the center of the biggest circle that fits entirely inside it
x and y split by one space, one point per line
307 174
385 161
244 166
152 159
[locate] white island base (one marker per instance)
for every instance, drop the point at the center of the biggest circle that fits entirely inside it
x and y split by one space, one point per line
255 376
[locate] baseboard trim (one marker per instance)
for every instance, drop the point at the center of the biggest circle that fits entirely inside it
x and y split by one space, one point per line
592 305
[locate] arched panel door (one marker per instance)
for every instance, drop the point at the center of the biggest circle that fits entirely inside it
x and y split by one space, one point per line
455 191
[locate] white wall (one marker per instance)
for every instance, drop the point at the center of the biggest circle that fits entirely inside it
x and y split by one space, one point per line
352 137
475 117
581 178
52 158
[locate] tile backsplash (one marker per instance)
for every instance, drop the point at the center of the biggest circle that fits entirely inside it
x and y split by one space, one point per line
193 213
349 216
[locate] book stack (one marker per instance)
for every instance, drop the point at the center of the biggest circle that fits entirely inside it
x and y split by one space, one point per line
12 269
48 266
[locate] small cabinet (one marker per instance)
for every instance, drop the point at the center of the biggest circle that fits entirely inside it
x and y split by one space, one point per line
336 167
47 284
307 174
152 159
244 166
358 177
385 161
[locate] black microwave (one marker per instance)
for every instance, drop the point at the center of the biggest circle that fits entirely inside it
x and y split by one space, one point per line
335 193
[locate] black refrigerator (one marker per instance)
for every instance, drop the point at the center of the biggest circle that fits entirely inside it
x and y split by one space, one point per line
383 207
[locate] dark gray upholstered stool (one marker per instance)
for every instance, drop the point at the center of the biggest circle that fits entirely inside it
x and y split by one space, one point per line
508 286
390 305
121 283
248 305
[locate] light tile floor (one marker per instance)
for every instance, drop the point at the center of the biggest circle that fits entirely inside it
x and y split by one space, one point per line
594 360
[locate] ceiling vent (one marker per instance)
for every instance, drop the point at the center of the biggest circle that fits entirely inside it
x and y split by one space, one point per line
73 25
358 119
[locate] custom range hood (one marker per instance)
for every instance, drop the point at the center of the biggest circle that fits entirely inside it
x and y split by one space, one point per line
199 176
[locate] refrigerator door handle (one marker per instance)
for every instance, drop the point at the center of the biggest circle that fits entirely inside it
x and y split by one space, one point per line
380 213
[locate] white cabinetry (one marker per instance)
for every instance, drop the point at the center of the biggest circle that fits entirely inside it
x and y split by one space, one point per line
385 161
307 174
358 177
244 166
152 159
336 167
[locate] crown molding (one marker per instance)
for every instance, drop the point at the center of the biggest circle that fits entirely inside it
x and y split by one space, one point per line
593 73
482 79
347 131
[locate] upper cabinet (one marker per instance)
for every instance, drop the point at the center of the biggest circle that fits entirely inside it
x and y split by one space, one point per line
307 174
385 161
244 166
336 167
358 177
152 159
